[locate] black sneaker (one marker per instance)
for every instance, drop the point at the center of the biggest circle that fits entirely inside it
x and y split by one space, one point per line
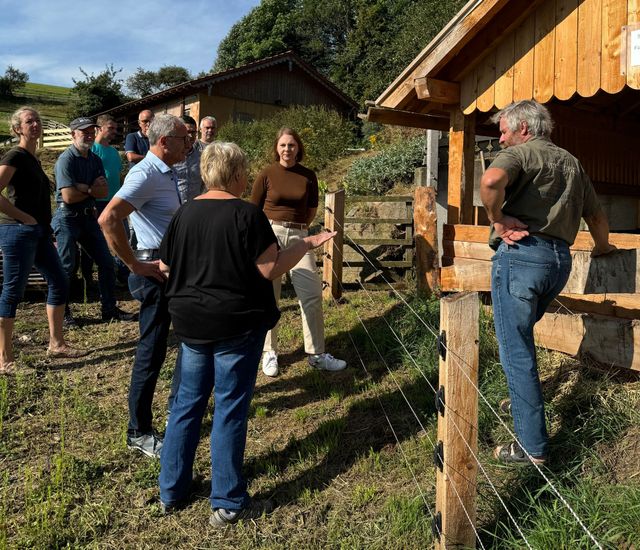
69 321
117 314
256 509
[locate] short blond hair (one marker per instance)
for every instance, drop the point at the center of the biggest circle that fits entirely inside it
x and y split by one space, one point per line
219 164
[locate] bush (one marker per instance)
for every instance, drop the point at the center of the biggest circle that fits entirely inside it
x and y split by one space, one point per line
393 165
325 135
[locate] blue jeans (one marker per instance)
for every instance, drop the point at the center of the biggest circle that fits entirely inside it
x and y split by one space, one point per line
86 262
71 227
154 322
23 247
228 368
525 279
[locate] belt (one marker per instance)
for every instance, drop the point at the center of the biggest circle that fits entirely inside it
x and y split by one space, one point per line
147 254
291 225
71 211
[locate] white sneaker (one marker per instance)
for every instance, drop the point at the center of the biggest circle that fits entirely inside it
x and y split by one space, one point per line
270 363
326 361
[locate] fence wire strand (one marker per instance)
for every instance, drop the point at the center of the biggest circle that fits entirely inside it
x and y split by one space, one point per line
459 362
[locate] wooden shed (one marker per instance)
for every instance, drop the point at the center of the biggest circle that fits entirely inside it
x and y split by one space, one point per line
245 93
581 58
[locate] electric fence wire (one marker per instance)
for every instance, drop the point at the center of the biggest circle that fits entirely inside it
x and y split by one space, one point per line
355 347
459 363
471 482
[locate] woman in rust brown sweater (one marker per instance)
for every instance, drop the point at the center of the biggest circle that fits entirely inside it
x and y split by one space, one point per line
288 194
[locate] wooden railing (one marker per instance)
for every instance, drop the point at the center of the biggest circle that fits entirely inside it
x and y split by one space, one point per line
335 219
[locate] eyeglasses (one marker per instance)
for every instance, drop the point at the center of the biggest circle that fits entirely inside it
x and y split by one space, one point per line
183 138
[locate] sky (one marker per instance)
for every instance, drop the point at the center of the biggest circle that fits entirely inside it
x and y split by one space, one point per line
51 39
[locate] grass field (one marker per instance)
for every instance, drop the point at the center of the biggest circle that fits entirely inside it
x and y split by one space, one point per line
51 101
320 445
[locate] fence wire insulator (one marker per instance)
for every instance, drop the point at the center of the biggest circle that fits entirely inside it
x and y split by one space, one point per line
436 526
442 345
440 404
438 456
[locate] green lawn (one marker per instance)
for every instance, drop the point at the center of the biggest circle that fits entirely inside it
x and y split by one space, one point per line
320 445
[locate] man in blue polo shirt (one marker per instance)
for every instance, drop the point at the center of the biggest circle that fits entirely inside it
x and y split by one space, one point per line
150 196
136 144
79 182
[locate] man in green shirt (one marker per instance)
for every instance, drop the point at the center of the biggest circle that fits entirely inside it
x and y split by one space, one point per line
535 194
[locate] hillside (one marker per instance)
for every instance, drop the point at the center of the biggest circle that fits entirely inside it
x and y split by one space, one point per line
51 101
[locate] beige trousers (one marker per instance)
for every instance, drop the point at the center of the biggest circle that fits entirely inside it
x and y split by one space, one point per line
308 287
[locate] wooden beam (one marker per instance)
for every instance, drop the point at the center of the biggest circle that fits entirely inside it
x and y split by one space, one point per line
480 234
447 93
466 25
458 422
426 237
405 118
461 167
333 249
617 273
609 341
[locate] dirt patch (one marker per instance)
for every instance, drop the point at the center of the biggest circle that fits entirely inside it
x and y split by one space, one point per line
623 459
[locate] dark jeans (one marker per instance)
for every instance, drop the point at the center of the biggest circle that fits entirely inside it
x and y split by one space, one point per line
23 247
71 227
86 262
154 322
525 279
228 368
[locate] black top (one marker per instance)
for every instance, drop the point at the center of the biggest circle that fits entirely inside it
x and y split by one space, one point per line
215 290
29 188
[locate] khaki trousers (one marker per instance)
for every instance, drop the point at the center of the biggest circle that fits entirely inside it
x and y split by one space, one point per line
308 287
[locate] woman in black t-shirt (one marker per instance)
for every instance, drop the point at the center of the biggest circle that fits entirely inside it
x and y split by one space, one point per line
25 239
220 256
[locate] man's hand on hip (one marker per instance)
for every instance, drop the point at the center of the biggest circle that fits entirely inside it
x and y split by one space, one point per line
510 229
148 269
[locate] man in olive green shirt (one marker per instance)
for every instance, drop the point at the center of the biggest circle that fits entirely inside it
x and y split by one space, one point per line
535 194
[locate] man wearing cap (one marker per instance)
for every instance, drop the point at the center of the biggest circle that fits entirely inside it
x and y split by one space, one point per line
80 180
150 196
136 144
208 132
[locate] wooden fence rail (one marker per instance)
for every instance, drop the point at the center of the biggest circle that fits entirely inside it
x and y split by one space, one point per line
336 220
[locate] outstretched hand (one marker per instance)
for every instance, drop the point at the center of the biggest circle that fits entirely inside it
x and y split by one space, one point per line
510 229
314 241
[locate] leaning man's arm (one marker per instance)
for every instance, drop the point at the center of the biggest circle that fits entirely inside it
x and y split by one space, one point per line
599 229
492 186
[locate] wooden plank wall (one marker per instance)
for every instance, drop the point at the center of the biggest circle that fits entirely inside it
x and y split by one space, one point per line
602 296
563 47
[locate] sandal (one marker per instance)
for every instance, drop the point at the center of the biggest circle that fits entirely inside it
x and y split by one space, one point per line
67 353
8 369
512 453
505 406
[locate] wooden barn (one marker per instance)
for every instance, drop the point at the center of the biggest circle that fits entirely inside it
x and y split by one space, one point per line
246 93
581 58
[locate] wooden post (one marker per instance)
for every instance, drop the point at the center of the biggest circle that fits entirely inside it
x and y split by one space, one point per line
458 421
332 261
425 222
462 144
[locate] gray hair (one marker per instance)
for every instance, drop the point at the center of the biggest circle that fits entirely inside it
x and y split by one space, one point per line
15 118
162 125
537 117
209 117
219 164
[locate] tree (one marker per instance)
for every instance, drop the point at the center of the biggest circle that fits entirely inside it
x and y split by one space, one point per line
143 82
361 45
268 29
97 93
13 80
